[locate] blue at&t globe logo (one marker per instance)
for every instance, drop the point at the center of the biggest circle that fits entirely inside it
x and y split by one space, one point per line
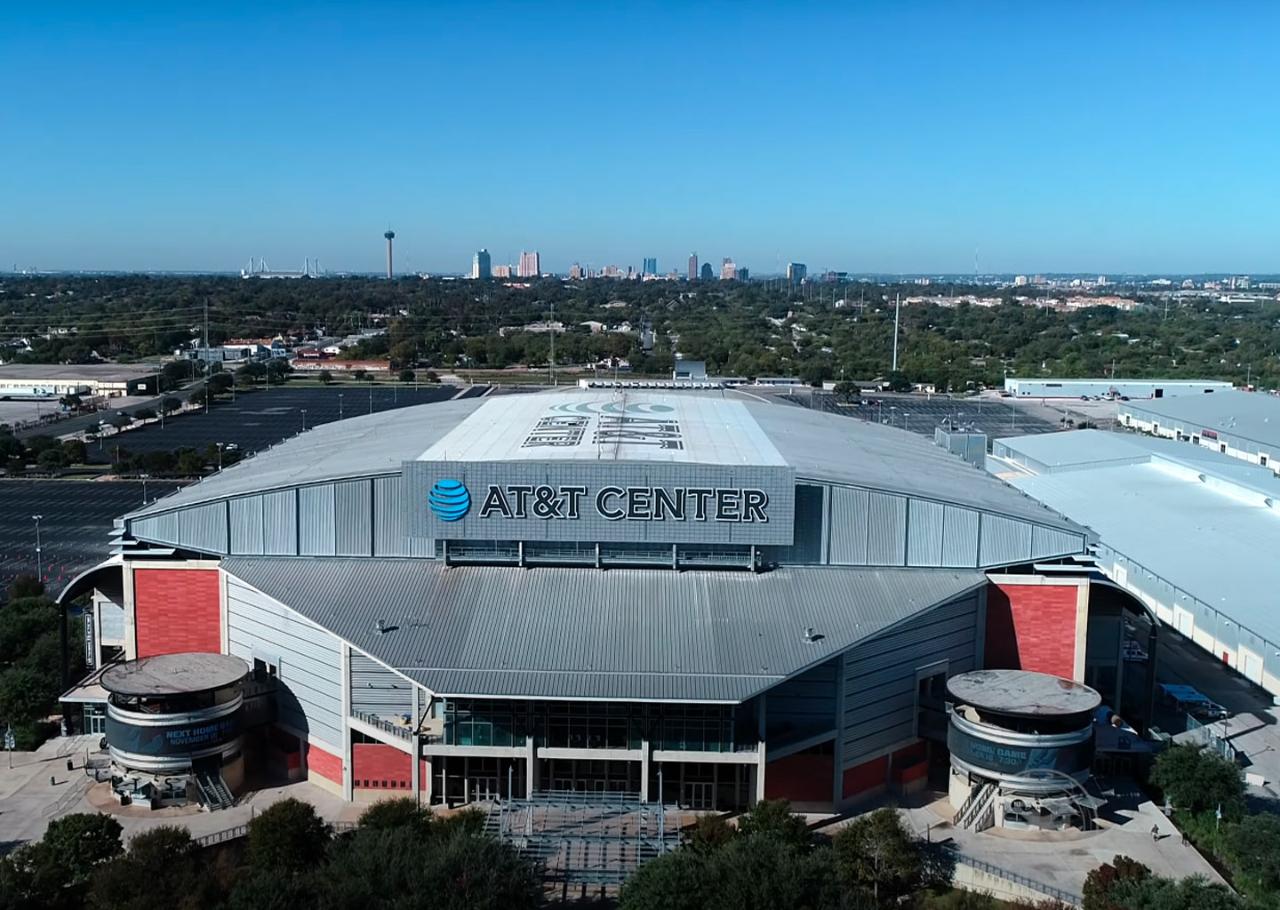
449 499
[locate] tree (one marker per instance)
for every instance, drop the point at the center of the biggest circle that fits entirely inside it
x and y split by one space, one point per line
78 843
773 818
876 853
432 377
325 377
1197 780
1155 893
1101 884
161 869
396 813
120 421
709 833
360 374
71 402
1253 849
846 391
74 452
898 382
407 376
287 837
169 404
52 459
145 414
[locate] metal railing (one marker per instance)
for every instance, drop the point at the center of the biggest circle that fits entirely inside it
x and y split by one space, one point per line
1066 897
373 720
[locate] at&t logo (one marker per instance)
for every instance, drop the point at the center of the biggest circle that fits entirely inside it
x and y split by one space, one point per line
449 499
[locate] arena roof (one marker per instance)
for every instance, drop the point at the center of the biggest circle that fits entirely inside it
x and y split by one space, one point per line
96 372
1022 692
174 674
622 634
819 446
1205 523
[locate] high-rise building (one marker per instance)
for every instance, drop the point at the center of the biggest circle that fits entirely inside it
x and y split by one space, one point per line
728 269
530 265
693 266
481 265
502 271
650 265
742 273
707 272
796 273
575 272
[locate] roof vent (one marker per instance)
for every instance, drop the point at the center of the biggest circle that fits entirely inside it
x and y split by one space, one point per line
809 634
382 627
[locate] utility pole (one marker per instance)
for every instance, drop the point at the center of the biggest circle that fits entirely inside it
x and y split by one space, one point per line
206 326
551 363
39 562
897 311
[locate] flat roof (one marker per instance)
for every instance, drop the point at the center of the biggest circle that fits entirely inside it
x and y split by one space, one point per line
98 372
609 425
1022 692
174 674
1091 380
1235 414
1203 522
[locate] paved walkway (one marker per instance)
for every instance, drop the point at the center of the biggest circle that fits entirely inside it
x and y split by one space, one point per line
29 800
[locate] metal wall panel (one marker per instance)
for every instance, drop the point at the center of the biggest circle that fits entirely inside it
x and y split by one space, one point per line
377 690
390 534
1004 541
246 526
960 537
848 527
886 530
110 620
880 676
804 703
1046 542
308 658
925 524
353 517
161 528
280 523
204 528
316 532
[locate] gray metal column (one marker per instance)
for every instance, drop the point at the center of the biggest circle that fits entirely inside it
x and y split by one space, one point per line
414 770
644 770
760 757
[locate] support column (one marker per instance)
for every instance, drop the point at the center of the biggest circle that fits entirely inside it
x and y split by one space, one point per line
530 767
837 747
347 783
760 755
415 776
644 770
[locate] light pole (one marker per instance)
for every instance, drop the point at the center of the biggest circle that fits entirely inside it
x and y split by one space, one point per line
144 487
339 405
220 445
371 397
39 563
304 420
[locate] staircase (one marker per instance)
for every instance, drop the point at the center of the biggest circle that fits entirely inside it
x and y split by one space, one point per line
978 812
211 789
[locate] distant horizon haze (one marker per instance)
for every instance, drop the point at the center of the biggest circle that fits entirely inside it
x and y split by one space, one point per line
871 138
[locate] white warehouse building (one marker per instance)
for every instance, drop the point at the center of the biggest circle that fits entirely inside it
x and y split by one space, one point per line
1129 388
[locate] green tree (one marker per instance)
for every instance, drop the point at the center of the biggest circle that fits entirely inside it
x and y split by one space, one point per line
1253 849
169 404
396 813
876 853
162 868
407 376
325 377
145 414
1101 885
709 833
846 391
773 818
287 837
1197 780
74 452
52 459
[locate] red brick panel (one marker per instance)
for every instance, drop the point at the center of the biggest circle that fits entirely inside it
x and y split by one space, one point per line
866 776
799 778
1032 627
378 766
177 610
324 763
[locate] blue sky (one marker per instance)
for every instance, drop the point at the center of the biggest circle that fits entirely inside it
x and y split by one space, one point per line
892 136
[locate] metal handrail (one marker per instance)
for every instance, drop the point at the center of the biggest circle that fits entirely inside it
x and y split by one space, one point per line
1067 897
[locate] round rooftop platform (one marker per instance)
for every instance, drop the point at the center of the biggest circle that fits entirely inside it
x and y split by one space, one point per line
1023 693
174 674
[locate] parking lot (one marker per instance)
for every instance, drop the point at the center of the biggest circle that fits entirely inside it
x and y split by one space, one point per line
75 524
921 413
258 419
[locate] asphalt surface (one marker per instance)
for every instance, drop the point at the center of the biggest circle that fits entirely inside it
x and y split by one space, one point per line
922 414
259 419
75 526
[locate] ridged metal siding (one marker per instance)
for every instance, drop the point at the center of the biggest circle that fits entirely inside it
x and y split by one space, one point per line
353 518
886 530
960 537
804 703
204 528
308 659
880 676
925 530
1004 541
1046 542
316 533
377 690
246 526
550 632
161 528
848 527
390 535
280 523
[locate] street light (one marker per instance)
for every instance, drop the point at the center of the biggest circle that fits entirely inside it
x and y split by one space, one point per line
339 405
39 563
304 420
144 487
220 445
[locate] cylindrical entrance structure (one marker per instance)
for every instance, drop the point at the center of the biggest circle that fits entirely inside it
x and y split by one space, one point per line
1022 746
173 728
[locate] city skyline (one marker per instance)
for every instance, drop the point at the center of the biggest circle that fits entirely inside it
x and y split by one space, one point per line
1078 159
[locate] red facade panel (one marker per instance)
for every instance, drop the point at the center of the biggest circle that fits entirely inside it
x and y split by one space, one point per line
799 778
378 766
1032 627
176 610
866 776
324 763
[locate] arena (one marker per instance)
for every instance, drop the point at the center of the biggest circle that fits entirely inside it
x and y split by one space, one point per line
695 597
